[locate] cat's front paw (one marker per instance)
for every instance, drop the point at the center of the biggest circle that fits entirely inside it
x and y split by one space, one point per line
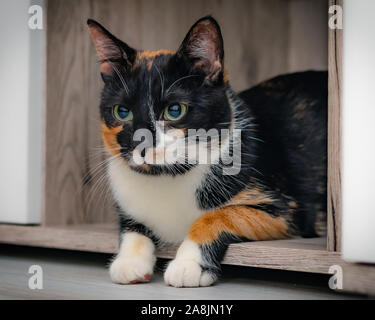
187 273
125 270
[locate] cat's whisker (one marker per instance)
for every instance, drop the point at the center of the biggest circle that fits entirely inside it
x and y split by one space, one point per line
90 175
178 80
101 181
106 59
95 194
161 81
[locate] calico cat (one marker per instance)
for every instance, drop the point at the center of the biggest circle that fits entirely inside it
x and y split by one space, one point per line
275 191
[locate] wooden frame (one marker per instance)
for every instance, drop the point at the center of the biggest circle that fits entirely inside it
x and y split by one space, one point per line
334 136
68 221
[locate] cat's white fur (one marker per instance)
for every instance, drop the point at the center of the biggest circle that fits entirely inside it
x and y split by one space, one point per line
135 260
185 270
165 204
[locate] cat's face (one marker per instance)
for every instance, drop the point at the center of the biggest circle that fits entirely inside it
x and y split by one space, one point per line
151 101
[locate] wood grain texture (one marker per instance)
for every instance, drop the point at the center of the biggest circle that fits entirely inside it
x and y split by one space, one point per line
308 35
308 255
92 237
256 36
334 137
72 128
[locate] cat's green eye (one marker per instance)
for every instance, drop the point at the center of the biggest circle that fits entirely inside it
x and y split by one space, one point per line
175 112
122 113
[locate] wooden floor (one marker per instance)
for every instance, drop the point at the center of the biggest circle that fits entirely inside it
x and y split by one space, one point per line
80 275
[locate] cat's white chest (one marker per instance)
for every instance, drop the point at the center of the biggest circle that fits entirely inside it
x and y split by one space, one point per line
167 205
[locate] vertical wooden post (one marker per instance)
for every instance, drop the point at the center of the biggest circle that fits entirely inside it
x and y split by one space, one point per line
334 135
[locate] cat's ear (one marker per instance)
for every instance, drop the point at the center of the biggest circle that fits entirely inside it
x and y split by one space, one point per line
112 52
203 46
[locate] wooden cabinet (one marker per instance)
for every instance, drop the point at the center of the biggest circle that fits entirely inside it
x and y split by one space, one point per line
262 39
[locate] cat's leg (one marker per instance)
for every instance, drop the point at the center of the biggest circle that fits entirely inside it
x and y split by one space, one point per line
136 259
197 262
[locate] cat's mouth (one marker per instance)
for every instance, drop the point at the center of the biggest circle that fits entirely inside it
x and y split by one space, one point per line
157 170
156 162
144 168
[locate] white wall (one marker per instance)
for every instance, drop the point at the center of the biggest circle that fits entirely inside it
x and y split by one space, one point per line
359 131
21 85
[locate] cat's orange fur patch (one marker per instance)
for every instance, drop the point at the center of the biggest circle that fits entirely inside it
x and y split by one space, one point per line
177 133
109 136
225 76
293 204
153 54
149 57
242 221
138 247
149 64
250 196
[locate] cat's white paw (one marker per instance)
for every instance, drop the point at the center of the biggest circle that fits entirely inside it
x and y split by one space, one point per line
135 260
187 273
125 270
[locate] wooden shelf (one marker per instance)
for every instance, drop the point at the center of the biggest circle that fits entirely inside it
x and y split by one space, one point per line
307 255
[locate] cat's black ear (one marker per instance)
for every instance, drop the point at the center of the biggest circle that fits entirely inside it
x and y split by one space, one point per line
203 46
112 52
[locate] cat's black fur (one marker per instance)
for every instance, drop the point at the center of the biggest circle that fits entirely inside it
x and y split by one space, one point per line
291 116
